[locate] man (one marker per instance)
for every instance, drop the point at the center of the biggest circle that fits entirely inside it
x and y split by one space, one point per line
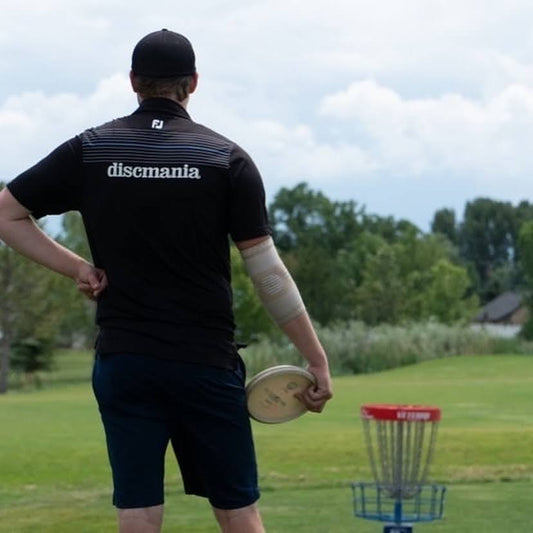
159 195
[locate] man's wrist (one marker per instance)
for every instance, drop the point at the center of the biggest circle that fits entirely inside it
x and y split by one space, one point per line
79 266
320 363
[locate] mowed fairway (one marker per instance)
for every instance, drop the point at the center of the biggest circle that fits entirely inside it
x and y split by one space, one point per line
54 475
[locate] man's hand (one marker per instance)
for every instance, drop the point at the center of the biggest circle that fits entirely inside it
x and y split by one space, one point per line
315 398
91 281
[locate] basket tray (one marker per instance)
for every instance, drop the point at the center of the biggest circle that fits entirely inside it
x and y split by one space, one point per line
372 501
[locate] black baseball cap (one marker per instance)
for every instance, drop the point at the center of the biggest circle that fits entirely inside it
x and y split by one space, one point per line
163 54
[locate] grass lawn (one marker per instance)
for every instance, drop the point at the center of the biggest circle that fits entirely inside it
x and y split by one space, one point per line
54 475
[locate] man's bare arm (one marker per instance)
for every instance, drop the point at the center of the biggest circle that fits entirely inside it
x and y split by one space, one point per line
20 232
299 330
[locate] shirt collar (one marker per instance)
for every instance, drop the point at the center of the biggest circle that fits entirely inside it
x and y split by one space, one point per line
162 105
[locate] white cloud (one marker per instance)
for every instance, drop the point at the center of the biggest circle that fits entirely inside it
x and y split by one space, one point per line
291 155
285 153
449 134
32 124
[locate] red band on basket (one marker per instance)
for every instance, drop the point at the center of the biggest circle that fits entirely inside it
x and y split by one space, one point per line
400 413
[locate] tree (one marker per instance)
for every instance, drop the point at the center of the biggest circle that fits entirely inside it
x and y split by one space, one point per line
487 239
445 295
381 295
525 241
302 217
312 232
77 326
73 234
505 277
350 264
526 249
523 214
316 271
28 308
416 253
414 279
390 229
444 222
6 313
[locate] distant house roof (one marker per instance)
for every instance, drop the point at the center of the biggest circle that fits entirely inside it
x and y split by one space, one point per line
501 308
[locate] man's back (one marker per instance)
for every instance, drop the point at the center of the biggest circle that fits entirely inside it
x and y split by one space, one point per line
159 195
158 223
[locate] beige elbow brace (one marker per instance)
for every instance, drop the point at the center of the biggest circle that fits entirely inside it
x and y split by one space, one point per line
273 282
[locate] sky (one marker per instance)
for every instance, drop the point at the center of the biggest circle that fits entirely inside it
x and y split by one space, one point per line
404 106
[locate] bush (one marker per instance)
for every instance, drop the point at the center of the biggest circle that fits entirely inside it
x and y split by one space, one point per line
30 356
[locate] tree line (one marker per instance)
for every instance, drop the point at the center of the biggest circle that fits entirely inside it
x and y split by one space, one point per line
352 265
348 264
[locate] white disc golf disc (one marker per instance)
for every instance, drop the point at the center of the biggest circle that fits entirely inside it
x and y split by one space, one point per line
270 394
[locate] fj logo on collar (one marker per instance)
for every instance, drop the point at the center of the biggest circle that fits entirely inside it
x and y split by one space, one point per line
157 124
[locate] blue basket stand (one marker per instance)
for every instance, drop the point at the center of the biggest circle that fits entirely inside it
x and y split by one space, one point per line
372 501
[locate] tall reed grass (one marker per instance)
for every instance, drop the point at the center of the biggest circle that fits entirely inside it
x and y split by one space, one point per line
354 348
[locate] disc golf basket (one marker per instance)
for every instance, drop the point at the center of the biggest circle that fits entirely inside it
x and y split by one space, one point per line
400 441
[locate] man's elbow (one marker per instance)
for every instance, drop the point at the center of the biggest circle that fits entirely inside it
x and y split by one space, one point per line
273 282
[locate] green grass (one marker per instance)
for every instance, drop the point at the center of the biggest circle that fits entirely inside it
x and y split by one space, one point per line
470 508
54 475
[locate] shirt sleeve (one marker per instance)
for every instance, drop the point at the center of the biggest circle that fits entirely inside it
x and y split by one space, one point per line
52 186
248 214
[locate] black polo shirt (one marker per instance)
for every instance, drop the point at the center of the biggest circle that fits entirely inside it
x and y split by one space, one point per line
159 196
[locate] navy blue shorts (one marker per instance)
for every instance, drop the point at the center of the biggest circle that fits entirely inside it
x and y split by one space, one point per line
146 402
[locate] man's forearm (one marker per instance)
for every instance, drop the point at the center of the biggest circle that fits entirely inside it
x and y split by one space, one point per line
24 236
301 333
19 231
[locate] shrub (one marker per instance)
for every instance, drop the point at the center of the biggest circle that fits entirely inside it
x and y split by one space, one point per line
30 355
